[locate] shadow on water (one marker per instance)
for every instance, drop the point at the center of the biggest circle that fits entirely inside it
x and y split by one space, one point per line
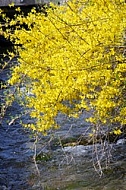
59 167
15 152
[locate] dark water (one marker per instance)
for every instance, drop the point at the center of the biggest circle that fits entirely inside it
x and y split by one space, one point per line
56 167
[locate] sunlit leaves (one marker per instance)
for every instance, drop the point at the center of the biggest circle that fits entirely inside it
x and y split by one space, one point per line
11 4
117 131
73 60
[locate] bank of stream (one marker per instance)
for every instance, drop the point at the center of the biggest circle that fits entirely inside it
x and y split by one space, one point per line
58 165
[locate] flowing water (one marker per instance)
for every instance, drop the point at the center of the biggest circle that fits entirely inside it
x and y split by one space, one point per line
56 167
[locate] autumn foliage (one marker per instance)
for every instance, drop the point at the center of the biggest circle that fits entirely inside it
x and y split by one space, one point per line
72 59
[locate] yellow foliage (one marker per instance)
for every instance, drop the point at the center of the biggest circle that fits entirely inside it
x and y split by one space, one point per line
117 131
11 4
73 55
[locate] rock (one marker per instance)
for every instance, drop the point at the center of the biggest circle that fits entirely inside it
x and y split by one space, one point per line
121 142
77 150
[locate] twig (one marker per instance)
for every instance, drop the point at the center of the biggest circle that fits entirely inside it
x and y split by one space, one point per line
34 157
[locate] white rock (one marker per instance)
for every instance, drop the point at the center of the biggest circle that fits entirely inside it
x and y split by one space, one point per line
75 150
121 141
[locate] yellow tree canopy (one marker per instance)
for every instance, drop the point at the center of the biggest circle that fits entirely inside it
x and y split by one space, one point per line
74 54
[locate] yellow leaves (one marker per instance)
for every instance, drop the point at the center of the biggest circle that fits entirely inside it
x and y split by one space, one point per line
117 131
11 4
121 67
123 111
92 120
33 10
14 80
18 9
112 51
1 11
69 55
